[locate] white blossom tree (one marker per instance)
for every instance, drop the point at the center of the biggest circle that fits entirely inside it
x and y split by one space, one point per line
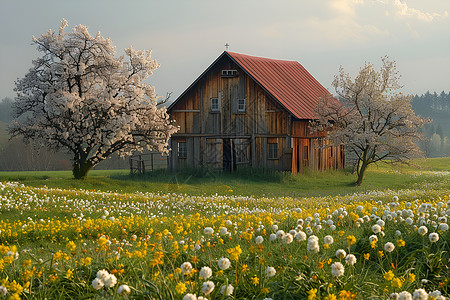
372 119
78 96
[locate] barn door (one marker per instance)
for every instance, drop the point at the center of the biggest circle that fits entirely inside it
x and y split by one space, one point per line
229 155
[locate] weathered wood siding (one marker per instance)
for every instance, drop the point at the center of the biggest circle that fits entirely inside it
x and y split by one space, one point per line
230 138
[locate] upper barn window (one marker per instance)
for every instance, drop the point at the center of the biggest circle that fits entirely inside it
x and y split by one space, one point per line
229 73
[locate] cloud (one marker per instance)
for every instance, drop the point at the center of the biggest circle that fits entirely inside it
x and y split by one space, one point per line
403 10
345 7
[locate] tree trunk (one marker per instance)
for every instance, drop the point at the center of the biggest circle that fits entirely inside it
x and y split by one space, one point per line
361 172
81 169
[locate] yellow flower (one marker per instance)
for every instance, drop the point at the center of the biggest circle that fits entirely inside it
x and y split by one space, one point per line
380 253
244 268
27 263
397 282
320 265
69 274
180 288
389 275
264 290
330 297
341 233
312 294
373 244
351 240
86 261
366 256
235 252
255 280
326 246
400 243
411 277
71 246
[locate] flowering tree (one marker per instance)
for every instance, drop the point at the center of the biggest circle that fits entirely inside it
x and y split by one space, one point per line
372 120
79 97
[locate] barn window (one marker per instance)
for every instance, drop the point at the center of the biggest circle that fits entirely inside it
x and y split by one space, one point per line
273 151
182 150
241 105
229 73
215 106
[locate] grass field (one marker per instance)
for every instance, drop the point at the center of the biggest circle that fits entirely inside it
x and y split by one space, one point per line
248 235
246 182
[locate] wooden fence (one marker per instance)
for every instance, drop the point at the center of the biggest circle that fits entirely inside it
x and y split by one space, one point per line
147 162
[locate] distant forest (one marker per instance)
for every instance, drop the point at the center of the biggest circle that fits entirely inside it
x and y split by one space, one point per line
436 107
15 156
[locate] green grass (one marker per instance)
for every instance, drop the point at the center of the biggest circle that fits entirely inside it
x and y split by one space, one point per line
243 182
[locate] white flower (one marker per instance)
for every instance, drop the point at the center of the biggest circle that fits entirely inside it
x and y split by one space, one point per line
313 244
420 294
333 227
224 263
436 295
389 247
422 230
3 290
207 287
202 298
398 232
409 221
205 272
259 239
376 228
443 227
434 237
97 283
373 238
350 259
394 296
223 230
275 227
197 247
404 296
328 239
272 237
228 223
110 281
190 297
280 234
208 230
270 271
186 268
340 253
123 289
227 290
102 274
381 223
287 238
300 236
337 269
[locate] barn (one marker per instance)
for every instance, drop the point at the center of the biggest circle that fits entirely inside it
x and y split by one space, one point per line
251 111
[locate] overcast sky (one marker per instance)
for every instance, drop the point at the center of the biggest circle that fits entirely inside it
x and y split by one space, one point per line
187 36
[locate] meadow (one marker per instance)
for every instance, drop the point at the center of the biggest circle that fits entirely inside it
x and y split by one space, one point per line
193 236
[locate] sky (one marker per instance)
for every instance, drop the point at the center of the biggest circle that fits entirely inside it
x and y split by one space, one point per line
187 36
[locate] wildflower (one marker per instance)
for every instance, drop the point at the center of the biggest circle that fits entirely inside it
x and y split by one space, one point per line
404 296
411 277
389 275
244 268
287 238
340 253
123 289
337 269
110 281
396 282
102 274
255 280
300 236
224 263
69 274
227 290
207 287
330 297
272 237
366 256
328 239
389 247
380 253
3 290
235 252
208 230
351 240
223 230
313 244
376 228
350 259
71 246
443 227
85 261
190 297
422 230
259 239
270 271
420 294
205 272
97 283
186 268
312 294
180 288
434 237
400 243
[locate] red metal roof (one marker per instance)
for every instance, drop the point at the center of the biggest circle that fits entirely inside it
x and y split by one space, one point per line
287 81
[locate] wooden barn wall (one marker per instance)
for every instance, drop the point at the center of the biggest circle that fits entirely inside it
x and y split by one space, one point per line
264 121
